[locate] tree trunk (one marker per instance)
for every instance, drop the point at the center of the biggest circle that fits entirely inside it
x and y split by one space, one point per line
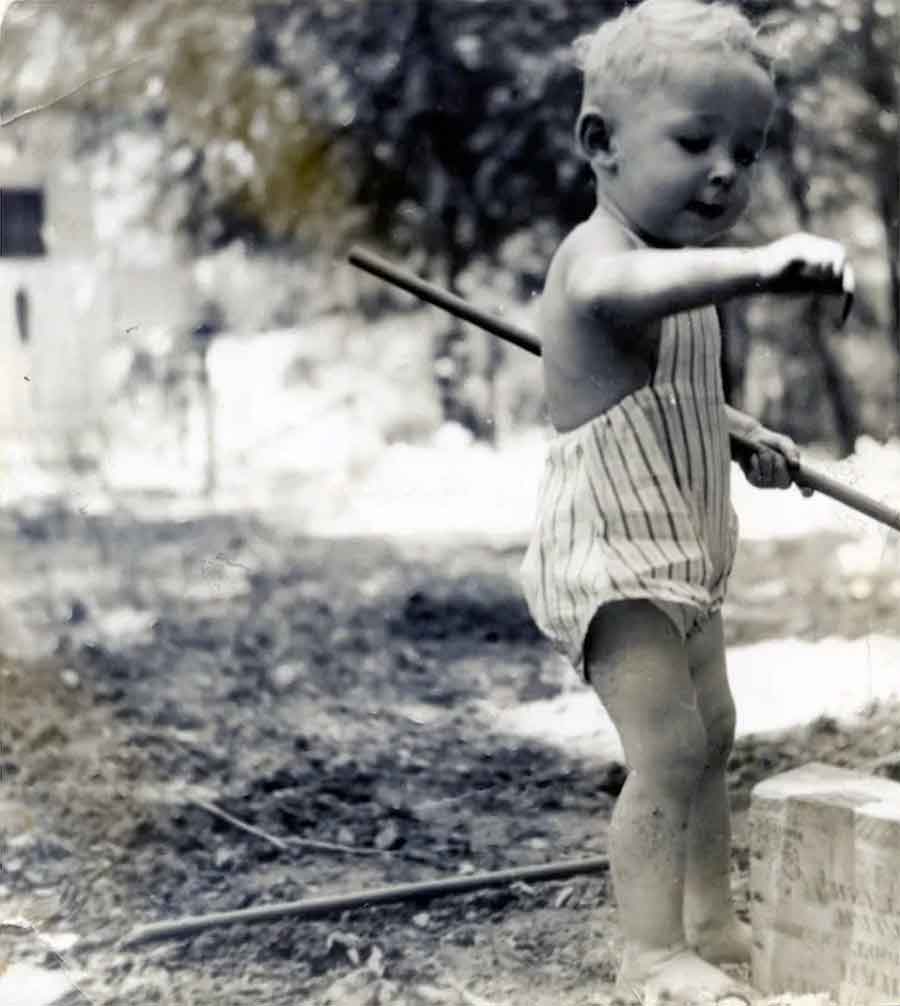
495 359
838 389
201 340
891 220
890 216
453 363
840 394
735 353
208 403
882 82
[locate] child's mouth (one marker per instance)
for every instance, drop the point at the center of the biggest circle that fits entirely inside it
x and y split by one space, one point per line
709 211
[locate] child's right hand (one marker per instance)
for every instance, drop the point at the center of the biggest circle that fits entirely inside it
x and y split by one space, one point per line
805 263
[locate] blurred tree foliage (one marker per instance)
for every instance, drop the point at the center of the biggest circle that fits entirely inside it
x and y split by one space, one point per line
441 129
837 148
454 121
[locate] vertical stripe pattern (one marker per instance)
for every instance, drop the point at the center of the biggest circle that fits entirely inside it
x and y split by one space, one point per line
636 502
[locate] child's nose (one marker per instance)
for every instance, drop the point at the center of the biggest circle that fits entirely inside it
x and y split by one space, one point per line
723 171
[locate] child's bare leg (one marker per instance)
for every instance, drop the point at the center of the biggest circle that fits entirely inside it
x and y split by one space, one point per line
710 923
639 667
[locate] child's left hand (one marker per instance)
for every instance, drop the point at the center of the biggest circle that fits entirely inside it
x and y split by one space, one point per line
770 465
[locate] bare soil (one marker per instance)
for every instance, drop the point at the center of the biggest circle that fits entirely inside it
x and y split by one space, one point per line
333 692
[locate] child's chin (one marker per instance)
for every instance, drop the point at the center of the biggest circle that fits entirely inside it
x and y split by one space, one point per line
711 239
708 233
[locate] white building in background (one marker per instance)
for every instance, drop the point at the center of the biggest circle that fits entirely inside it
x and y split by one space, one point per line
75 293
55 312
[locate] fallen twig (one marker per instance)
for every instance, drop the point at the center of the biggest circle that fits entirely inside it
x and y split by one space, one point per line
294 841
211 808
317 907
350 850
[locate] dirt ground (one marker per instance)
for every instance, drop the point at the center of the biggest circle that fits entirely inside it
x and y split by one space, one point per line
323 692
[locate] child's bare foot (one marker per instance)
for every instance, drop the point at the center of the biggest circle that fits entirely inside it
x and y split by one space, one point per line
728 944
678 976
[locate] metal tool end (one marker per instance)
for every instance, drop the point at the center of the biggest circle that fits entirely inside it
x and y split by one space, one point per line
848 286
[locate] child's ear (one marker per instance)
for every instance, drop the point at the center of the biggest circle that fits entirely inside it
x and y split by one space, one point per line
596 139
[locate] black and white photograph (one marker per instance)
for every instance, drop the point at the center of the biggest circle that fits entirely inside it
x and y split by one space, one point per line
449 502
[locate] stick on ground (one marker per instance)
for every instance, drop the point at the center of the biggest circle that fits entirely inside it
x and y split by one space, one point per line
317 907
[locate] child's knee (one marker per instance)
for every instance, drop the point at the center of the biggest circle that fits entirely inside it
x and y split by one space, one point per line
686 764
677 758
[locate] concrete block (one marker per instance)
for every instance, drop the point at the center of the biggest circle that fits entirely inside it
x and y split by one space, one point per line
825 885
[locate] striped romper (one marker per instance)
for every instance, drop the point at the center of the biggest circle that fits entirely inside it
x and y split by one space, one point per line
636 503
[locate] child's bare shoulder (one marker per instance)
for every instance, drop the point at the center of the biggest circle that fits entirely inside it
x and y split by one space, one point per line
586 369
599 236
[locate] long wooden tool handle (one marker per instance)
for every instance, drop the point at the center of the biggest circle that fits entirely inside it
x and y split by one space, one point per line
803 475
424 290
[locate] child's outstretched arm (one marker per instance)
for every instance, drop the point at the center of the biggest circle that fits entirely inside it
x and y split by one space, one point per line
636 287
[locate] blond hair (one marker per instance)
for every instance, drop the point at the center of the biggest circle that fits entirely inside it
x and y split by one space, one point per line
630 54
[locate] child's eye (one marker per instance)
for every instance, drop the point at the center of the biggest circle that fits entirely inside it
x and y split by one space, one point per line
694 144
745 156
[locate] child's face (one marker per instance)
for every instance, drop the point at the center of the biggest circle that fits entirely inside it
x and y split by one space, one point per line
682 157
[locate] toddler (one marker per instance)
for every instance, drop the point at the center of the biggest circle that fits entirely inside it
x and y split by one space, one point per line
636 534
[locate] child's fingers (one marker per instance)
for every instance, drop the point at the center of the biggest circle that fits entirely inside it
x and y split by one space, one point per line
789 463
848 285
774 468
787 450
756 474
769 469
776 464
783 446
781 476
